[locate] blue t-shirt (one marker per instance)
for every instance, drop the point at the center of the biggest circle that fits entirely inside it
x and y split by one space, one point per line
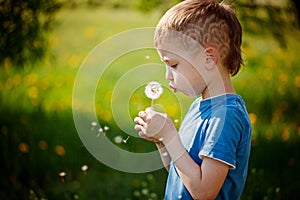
218 128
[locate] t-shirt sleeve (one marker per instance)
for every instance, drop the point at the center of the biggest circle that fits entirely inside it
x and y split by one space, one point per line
222 137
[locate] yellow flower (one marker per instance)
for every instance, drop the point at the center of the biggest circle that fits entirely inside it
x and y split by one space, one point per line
23 147
60 150
252 117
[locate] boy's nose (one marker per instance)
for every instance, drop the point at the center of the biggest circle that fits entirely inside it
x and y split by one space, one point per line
169 75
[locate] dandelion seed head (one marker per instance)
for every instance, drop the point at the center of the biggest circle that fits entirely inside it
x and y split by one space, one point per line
153 90
106 128
62 174
147 57
94 123
145 191
100 130
176 121
84 168
118 139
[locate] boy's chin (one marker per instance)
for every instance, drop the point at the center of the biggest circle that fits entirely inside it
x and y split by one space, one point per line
189 94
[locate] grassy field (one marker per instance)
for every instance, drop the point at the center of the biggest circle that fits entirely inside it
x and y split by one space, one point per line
39 141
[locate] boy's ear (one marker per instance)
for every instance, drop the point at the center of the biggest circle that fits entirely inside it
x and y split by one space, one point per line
211 57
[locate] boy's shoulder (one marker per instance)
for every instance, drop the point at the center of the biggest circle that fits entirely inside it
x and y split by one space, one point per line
224 106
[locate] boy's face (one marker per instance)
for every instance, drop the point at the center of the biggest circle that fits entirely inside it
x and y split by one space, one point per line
183 75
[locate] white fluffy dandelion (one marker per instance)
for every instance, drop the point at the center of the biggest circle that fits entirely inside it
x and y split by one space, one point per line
62 174
84 168
94 124
153 91
118 139
106 128
100 130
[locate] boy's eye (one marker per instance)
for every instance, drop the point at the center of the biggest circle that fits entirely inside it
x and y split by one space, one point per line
173 66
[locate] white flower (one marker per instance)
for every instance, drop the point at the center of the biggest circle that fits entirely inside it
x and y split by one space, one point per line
62 174
153 90
145 191
118 139
84 168
106 128
94 123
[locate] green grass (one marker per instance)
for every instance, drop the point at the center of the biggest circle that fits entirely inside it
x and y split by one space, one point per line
38 138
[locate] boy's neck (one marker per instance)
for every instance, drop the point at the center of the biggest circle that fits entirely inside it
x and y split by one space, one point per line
220 85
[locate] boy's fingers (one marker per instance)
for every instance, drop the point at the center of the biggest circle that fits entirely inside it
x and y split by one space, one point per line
151 113
143 115
146 137
148 110
137 120
142 135
139 128
140 121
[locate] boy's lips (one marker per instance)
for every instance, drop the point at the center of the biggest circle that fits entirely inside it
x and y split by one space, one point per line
173 87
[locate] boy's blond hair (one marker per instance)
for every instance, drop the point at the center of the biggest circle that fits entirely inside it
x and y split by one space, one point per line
211 24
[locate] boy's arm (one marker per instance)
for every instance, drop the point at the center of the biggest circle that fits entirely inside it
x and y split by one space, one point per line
165 158
203 182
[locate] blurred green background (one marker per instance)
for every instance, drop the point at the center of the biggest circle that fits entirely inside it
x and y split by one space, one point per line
42 156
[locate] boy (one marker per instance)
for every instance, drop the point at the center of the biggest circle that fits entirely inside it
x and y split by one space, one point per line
199 41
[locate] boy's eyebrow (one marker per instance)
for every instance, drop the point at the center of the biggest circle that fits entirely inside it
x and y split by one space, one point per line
165 59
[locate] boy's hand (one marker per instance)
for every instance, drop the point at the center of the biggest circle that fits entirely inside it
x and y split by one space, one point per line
154 126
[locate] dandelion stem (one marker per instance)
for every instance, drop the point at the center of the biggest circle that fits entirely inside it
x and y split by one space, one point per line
152 104
125 141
